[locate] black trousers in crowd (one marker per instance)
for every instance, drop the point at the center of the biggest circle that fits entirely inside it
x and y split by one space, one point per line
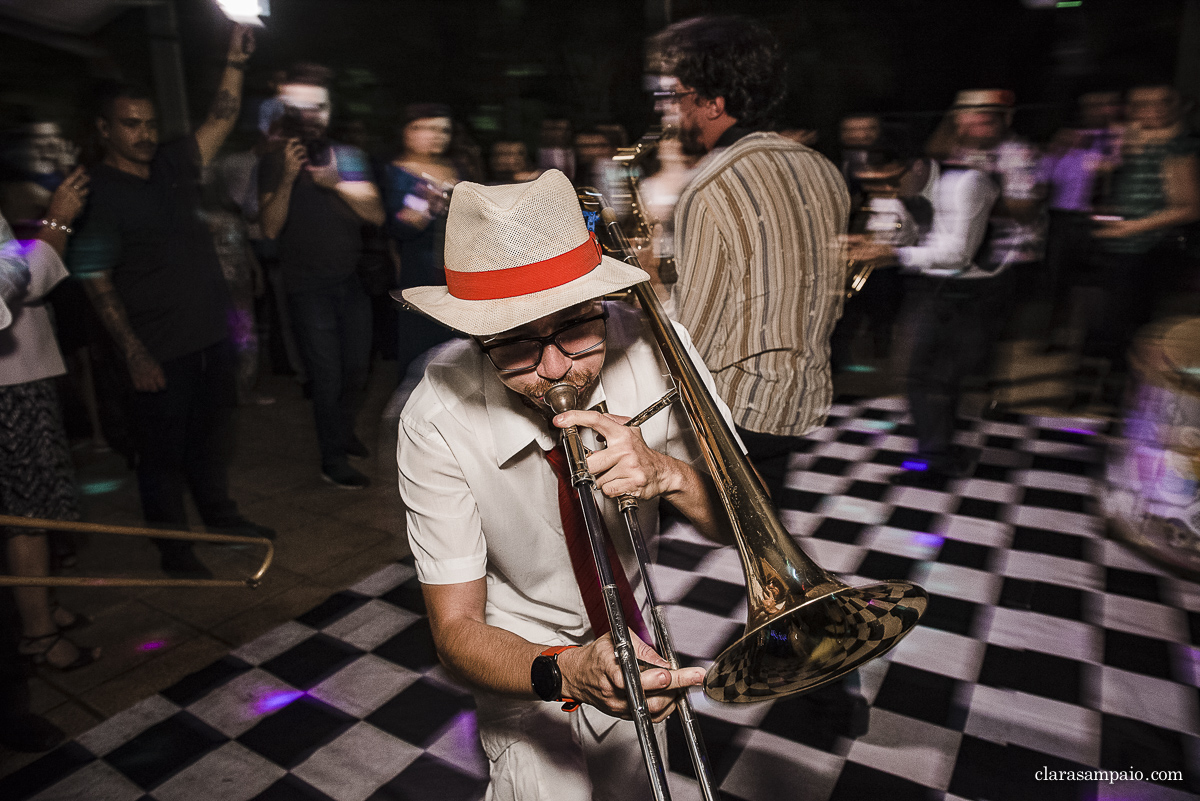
878 304
1133 285
184 437
333 329
955 323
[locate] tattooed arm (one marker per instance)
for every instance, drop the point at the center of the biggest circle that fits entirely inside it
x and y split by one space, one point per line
146 373
223 114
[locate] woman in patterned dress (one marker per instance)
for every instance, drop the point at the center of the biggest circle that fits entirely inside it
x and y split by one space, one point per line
37 478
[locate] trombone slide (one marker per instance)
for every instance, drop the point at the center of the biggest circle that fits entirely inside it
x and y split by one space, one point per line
562 398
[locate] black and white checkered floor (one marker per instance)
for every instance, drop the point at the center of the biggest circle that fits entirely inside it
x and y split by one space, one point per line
1045 646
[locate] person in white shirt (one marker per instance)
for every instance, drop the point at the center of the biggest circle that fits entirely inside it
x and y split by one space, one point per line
958 309
501 574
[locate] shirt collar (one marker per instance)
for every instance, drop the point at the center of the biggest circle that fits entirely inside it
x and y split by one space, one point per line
731 135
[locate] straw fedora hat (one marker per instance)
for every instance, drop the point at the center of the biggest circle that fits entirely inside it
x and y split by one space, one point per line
516 253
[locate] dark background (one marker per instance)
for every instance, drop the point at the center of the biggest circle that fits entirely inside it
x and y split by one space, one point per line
503 65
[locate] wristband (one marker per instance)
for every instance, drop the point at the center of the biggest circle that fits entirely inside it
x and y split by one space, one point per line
55 225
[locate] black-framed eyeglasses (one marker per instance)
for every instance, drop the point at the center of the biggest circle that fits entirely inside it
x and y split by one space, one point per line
673 95
574 339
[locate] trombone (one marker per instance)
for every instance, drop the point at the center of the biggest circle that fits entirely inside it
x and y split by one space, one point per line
131 531
805 627
561 398
631 159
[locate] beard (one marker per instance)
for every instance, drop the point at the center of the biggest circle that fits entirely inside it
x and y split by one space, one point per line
689 140
143 152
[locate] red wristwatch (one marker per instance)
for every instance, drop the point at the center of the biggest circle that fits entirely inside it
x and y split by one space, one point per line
546 678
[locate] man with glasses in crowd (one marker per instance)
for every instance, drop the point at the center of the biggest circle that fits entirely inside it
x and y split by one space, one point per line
761 277
507 574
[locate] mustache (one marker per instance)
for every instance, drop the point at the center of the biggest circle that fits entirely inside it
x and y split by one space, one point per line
581 380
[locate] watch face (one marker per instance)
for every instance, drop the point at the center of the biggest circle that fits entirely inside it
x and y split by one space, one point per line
546 680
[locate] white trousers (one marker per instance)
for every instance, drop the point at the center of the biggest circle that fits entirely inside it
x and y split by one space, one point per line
545 754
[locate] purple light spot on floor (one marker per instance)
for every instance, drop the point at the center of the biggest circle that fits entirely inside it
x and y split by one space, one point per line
1077 431
152 645
912 464
926 540
275 701
1193 655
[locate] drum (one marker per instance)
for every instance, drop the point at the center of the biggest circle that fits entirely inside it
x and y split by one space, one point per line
1151 492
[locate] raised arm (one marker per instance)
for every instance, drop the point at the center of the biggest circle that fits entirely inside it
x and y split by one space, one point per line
223 114
65 205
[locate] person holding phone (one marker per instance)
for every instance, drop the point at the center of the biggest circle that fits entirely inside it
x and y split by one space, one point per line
315 197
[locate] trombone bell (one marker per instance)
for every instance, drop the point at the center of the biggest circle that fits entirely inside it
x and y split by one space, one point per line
805 627
815 642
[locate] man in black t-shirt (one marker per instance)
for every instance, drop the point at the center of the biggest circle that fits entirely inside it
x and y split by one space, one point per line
315 196
150 269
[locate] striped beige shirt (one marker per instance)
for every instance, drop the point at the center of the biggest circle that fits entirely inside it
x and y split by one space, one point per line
761 278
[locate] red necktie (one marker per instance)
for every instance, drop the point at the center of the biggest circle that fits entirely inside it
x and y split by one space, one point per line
583 562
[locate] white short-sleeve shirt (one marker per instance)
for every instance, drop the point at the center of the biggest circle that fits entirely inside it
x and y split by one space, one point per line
482 500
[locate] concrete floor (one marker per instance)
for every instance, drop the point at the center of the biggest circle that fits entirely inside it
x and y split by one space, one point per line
328 539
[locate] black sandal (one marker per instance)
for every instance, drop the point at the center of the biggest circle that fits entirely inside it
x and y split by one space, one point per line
41 656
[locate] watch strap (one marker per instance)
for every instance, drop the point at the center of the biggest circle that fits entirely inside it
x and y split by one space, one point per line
569 704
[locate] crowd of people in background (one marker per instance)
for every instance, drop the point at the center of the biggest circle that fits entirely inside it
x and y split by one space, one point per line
192 267
1076 245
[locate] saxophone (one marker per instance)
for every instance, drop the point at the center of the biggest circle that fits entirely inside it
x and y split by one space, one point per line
886 226
630 205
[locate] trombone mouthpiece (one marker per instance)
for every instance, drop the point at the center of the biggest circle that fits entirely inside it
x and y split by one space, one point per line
562 397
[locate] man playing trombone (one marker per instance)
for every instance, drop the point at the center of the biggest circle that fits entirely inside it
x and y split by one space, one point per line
508 578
